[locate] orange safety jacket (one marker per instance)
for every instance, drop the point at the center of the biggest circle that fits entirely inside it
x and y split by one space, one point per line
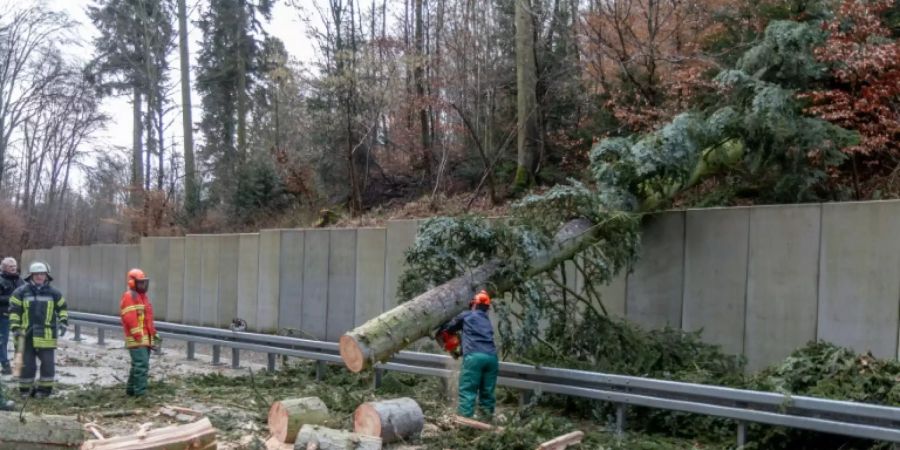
137 319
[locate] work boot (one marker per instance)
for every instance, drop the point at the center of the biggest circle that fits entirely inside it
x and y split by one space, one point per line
42 392
6 370
25 393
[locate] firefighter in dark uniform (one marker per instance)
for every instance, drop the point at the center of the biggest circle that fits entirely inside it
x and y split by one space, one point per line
38 313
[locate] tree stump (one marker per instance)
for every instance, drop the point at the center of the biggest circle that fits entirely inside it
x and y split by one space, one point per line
39 432
321 438
391 420
287 416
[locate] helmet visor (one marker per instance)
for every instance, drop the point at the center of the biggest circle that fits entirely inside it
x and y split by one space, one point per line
141 285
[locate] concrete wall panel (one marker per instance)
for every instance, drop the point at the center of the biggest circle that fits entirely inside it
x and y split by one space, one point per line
341 283
858 283
314 313
782 280
228 289
209 279
401 234
655 285
715 275
290 304
193 263
175 281
159 279
269 259
248 278
61 277
370 254
132 257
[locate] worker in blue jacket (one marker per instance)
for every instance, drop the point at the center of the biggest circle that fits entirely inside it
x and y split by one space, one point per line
478 377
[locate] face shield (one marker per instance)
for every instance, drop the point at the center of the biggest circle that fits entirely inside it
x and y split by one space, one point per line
141 286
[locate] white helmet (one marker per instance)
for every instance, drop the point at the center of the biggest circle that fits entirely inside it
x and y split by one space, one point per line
39 267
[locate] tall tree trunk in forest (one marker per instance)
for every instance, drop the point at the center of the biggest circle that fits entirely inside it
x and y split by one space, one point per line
527 107
137 160
160 156
151 140
191 190
419 75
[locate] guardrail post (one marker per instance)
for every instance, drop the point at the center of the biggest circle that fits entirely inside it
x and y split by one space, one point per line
378 374
525 397
190 350
320 370
77 337
217 355
101 336
741 434
271 363
235 358
620 419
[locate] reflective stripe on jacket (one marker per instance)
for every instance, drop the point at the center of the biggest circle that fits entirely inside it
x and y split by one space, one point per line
137 319
38 311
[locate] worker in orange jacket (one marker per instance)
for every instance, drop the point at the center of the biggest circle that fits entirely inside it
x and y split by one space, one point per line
140 334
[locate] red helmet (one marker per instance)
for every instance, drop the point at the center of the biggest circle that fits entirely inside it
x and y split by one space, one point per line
135 275
482 298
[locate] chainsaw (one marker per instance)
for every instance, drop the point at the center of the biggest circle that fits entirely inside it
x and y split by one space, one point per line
449 341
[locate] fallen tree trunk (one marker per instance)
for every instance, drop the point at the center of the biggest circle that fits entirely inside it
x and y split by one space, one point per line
321 438
199 435
381 337
39 432
391 420
287 416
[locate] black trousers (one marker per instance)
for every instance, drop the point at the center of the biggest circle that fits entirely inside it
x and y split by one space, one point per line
31 355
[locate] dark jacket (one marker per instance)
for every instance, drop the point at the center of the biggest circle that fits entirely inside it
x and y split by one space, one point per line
9 282
477 332
38 311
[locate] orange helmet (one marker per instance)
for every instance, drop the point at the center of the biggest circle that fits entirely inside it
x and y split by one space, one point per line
135 275
482 298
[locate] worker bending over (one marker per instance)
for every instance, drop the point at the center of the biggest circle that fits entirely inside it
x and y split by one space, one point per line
478 377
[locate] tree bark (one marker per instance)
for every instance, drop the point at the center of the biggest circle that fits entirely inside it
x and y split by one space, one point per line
287 416
198 435
137 161
388 333
419 75
322 438
191 190
526 96
39 432
390 420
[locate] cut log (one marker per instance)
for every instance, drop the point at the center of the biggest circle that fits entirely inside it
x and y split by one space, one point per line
39 432
391 420
381 337
199 435
287 416
561 442
274 444
471 423
328 439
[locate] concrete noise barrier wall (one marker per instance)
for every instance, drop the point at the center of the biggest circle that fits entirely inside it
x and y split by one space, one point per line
759 281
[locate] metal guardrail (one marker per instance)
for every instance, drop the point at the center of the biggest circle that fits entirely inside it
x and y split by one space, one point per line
868 421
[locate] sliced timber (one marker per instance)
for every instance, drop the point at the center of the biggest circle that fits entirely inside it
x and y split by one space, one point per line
287 416
274 444
383 336
323 438
391 420
472 423
199 435
39 432
561 442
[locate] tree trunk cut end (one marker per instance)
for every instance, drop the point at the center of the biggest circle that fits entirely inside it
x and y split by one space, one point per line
367 421
279 419
352 353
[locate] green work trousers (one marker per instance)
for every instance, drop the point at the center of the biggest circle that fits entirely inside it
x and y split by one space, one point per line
140 370
478 379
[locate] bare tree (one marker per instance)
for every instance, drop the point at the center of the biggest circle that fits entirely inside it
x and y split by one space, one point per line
25 36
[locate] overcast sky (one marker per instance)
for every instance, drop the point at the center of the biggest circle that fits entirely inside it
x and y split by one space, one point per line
285 25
